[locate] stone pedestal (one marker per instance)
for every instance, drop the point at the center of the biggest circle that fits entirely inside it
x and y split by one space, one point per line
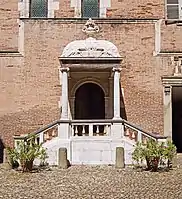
117 130
120 158
62 158
6 162
63 131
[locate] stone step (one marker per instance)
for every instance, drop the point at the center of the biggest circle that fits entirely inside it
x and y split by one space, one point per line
179 159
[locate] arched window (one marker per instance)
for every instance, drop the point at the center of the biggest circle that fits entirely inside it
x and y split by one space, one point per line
90 8
38 8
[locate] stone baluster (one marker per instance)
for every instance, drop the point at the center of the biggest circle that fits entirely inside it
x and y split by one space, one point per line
83 131
109 130
105 129
76 130
139 137
72 130
97 130
41 137
47 135
127 132
37 140
133 135
145 140
53 133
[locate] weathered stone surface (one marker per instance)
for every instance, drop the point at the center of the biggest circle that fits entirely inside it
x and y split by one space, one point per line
62 160
5 156
5 166
120 157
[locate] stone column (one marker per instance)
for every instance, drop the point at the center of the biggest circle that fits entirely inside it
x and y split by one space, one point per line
117 128
167 111
116 93
64 96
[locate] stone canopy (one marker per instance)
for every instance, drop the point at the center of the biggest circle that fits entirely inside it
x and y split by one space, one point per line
90 48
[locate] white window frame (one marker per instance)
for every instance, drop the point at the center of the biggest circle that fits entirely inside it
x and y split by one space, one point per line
24 6
179 9
104 4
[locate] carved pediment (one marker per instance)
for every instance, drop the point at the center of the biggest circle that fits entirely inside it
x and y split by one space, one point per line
90 48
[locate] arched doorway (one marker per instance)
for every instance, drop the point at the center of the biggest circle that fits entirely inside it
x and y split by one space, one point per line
89 102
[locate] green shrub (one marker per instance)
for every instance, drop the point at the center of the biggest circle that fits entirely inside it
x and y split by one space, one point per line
153 153
27 152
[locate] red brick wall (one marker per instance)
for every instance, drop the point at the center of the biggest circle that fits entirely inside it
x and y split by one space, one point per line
30 88
137 9
65 9
122 9
171 37
29 96
8 25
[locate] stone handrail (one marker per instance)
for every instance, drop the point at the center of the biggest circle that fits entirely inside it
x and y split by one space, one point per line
139 135
90 127
147 134
43 134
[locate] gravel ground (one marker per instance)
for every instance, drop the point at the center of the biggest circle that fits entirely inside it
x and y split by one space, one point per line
96 182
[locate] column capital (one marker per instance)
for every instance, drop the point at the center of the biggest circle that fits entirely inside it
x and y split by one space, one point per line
167 90
64 69
116 69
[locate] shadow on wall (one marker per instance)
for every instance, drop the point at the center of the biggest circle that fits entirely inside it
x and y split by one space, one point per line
1 150
122 106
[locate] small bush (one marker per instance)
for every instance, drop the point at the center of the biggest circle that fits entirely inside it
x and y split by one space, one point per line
26 153
154 153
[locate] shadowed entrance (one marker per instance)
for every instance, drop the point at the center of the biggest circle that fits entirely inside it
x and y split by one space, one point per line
89 102
177 117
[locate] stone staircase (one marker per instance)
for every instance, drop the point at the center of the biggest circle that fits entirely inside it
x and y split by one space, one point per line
90 141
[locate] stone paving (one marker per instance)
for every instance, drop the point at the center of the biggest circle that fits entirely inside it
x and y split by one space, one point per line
91 182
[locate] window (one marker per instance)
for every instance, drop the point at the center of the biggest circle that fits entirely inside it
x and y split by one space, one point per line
38 8
90 8
174 9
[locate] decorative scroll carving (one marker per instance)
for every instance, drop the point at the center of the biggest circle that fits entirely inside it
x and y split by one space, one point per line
90 28
90 47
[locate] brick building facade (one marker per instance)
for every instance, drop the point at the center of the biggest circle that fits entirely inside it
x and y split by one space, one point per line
148 37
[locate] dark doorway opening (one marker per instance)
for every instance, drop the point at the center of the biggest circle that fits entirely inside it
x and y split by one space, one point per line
89 102
177 117
1 151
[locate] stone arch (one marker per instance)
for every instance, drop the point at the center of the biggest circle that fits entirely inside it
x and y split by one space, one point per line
89 102
87 80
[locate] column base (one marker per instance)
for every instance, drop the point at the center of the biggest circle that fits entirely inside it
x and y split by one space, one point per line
116 118
117 130
63 131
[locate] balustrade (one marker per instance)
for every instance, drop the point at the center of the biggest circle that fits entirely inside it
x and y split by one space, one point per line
137 135
90 129
44 134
